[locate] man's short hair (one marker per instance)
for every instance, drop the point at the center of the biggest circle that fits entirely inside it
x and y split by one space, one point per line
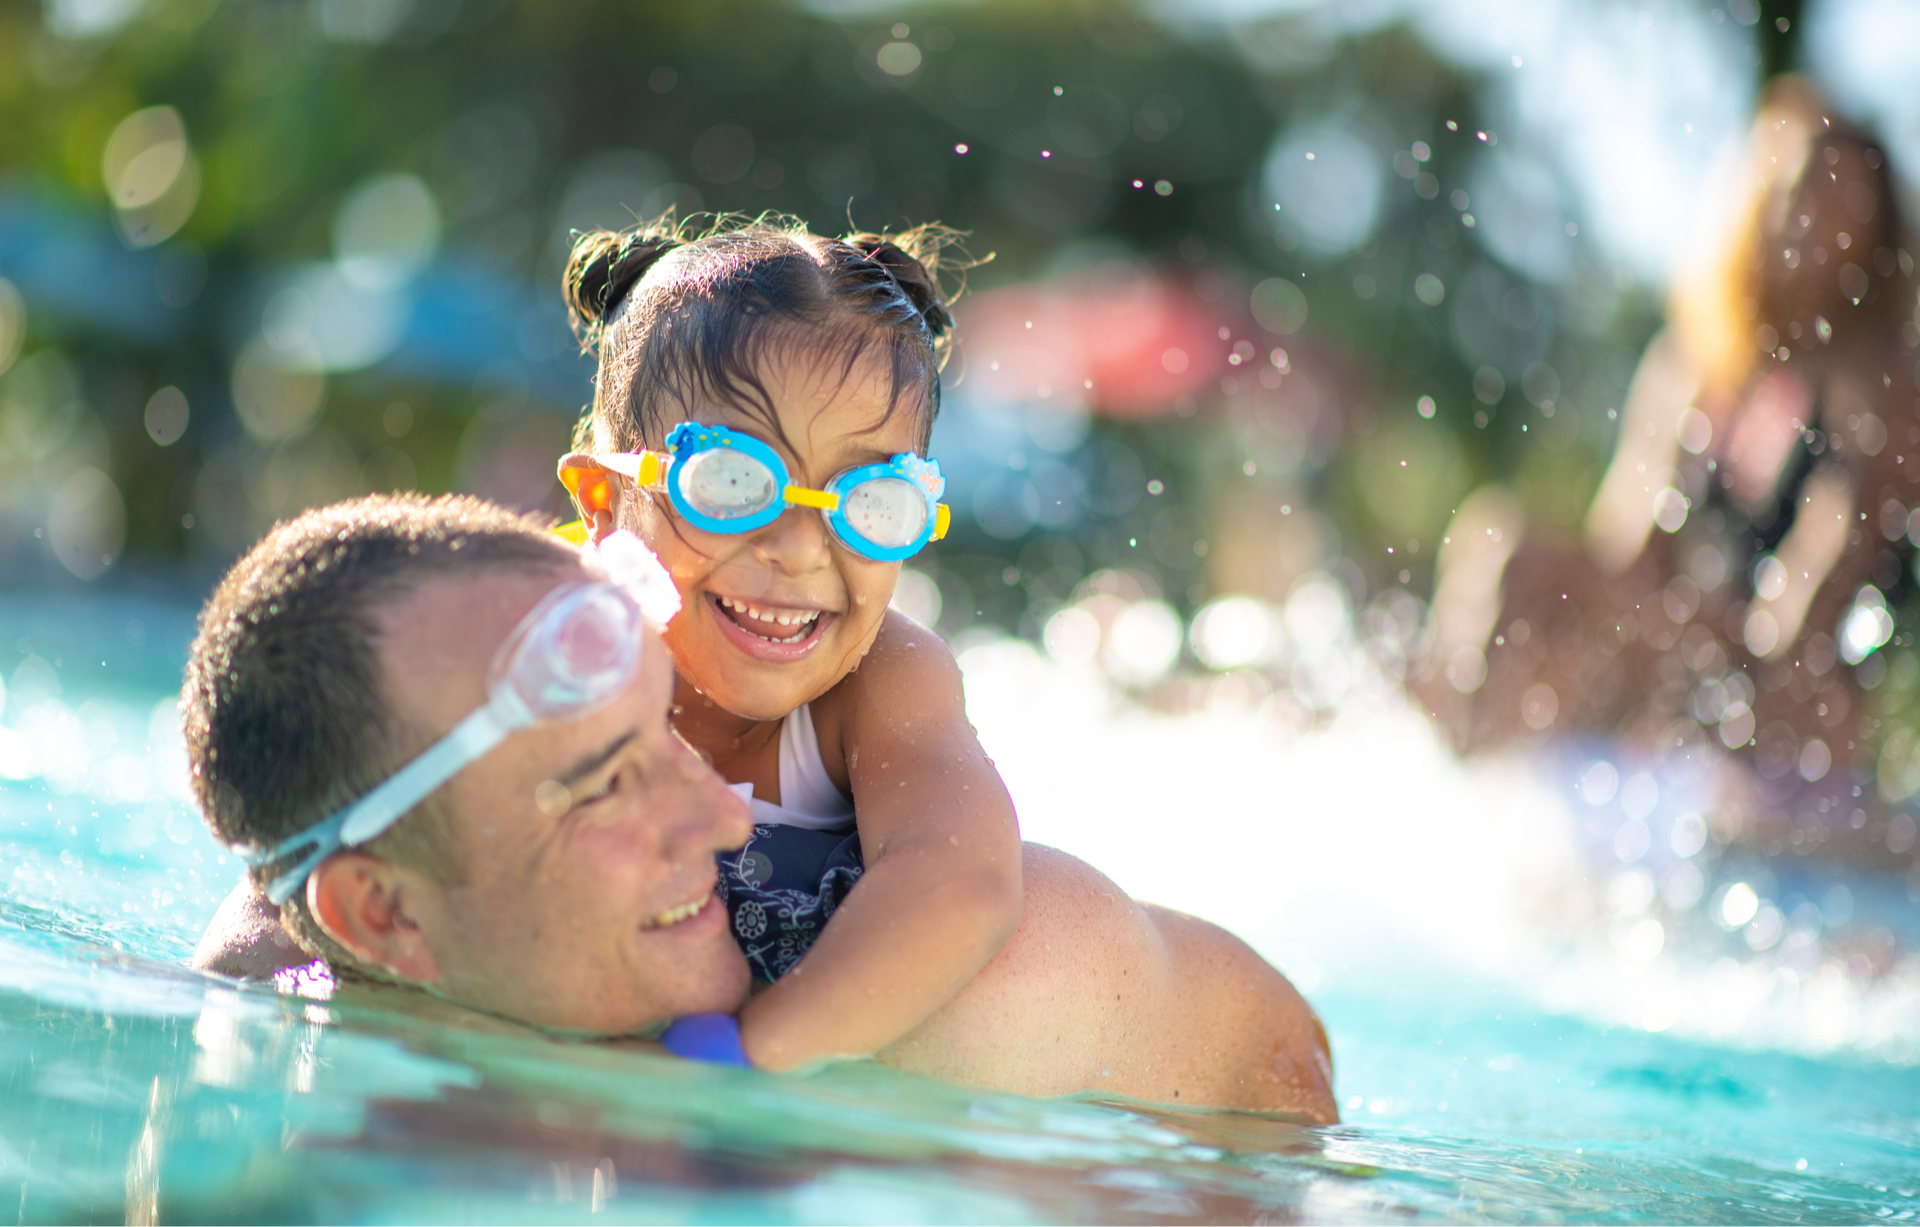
284 706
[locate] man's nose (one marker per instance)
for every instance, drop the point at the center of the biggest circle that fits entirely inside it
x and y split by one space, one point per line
732 814
706 815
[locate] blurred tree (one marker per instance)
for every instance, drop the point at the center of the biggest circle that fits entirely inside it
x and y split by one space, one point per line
335 228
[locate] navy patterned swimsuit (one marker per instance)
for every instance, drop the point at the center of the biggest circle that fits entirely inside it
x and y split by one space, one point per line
803 858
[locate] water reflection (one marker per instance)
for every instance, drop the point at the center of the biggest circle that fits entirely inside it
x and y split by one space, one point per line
1597 891
478 1122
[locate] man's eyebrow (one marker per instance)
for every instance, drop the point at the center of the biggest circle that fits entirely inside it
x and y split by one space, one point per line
596 760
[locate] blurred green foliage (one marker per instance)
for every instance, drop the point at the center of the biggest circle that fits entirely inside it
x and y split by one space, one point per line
507 110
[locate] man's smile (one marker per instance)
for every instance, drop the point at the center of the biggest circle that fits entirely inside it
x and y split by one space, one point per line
684 912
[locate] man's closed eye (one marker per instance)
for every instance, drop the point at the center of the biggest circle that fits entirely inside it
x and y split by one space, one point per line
599 791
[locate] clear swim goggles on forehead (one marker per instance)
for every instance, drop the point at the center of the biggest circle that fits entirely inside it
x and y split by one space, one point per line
573 654
723 481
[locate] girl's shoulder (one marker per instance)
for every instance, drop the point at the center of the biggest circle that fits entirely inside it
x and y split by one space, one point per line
907 676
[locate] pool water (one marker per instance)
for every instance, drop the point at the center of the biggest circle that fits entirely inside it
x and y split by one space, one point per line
1512 1041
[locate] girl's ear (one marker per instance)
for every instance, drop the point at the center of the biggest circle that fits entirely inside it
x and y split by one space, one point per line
593 491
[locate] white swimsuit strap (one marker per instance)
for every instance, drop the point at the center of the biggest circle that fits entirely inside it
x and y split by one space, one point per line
808 797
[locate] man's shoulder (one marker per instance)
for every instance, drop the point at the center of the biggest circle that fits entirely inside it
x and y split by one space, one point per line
245 939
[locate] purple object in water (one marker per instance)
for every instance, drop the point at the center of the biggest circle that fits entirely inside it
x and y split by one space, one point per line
713 1038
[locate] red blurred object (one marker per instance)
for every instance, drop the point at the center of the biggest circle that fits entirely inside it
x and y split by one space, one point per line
1126 341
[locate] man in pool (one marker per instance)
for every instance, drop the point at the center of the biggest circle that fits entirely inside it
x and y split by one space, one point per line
564 875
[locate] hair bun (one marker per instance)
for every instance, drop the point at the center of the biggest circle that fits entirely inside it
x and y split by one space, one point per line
604 266
911 275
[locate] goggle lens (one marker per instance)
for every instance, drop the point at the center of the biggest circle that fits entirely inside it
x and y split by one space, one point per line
725 485
725 481
576 656
890 512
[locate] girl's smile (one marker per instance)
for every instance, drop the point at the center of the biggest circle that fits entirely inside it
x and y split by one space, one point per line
791 382
771 632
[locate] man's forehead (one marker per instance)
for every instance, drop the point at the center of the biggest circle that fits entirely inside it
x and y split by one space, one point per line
438 643
437 639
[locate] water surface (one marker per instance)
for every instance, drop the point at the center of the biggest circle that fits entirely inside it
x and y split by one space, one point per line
1510 1045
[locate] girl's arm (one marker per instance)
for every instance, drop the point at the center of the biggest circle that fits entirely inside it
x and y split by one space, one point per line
941 891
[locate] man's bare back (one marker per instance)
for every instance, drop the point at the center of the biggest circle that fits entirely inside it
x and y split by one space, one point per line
1099 992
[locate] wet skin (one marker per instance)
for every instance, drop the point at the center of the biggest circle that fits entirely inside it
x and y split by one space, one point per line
592 908
786 615
778 616
576 919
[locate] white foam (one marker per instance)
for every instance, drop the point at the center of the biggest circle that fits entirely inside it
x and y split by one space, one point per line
1365 855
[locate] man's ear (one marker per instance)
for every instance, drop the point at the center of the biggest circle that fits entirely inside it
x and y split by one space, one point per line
593 491
367 905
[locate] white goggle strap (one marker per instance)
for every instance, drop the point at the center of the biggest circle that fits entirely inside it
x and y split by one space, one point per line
371 815
325 838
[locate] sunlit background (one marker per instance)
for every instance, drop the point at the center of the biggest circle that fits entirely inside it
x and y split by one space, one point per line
1274 286
1248 256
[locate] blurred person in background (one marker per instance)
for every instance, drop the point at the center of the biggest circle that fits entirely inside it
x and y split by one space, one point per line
1750 537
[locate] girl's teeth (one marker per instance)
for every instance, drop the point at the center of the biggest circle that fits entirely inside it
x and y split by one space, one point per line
802 620
796 637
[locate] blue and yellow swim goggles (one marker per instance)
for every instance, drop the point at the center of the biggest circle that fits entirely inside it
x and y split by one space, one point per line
723 481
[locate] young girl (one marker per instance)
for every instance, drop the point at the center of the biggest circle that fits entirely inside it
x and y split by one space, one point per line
761 420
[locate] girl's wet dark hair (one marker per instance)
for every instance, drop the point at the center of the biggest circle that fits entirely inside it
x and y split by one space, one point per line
686 311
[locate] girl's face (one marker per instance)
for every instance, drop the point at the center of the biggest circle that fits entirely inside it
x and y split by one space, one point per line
775 618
